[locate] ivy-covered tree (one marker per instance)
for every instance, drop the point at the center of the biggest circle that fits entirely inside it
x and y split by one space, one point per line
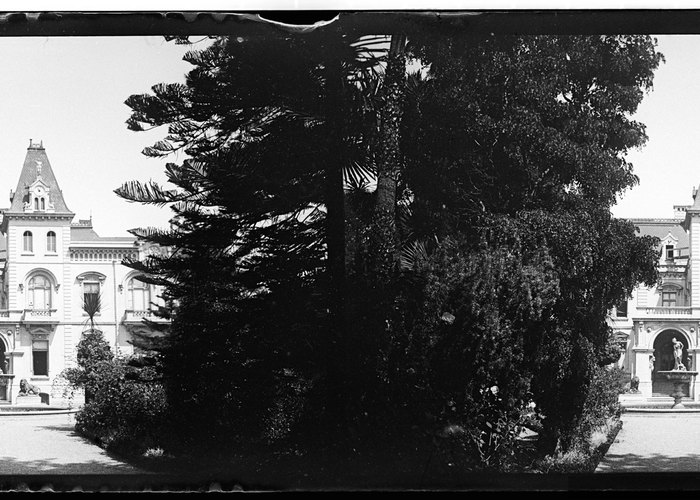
525 137
496 171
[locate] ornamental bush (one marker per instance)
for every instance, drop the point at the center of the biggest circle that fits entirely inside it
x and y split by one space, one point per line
127 412
602 405
93 352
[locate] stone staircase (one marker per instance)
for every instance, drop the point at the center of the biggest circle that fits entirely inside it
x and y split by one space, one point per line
639 403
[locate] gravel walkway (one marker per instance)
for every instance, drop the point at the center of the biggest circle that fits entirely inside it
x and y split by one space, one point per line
48 444
655 442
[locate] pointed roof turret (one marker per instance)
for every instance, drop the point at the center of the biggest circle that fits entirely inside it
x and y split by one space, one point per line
37 177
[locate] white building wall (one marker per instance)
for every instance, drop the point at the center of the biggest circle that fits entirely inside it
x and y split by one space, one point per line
695 259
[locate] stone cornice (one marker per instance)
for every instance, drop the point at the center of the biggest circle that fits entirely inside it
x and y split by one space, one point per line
659 221
38 215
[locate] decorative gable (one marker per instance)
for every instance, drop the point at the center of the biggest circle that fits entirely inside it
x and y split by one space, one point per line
38 199
669 239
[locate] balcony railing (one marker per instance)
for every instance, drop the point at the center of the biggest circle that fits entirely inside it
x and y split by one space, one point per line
39 313
136 314
669 311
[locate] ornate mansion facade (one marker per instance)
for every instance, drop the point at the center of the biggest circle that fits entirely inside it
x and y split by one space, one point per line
647 323
48 266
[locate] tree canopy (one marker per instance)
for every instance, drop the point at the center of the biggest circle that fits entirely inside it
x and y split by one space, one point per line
496 166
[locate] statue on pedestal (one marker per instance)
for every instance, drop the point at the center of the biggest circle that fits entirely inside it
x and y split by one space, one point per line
678 355
26 389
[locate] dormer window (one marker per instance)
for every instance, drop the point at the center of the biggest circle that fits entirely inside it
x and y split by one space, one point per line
621 309
668 298
40 204
39 197
669 252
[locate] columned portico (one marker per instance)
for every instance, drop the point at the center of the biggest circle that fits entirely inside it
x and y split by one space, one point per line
655 316
652 351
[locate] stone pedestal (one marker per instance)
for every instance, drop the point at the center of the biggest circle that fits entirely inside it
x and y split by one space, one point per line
29 400
679 377
643 370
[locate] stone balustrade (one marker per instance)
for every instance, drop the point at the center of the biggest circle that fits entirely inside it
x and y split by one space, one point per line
669 311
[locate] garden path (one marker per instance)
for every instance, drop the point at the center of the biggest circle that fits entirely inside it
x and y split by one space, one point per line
48 445
655 442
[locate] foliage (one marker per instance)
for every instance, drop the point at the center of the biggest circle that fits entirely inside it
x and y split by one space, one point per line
92 303
128 410
601 405
490 257
272 126
525 137
93 353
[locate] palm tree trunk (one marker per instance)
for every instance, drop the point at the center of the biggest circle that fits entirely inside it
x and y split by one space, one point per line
389 157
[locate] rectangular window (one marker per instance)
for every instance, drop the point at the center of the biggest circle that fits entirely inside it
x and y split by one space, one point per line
621 309
669 252
40 357
668 299
91 293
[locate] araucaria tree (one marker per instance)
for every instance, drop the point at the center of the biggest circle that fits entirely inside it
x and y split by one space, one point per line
486 257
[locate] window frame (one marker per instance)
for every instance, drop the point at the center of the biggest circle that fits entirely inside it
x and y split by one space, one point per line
621 309
27 242
48 292
669 249
51 236
91 282
671 302
146 294
46 359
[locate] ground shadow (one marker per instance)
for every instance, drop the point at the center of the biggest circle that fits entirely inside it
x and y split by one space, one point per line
629 462
54 465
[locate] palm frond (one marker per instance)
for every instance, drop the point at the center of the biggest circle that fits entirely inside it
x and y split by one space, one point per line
92 303
358 174
413 255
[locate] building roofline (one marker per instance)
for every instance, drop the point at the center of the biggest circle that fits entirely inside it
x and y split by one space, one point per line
655 221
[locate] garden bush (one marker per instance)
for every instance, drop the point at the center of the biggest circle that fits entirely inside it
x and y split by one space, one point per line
127 412
595 428
602 405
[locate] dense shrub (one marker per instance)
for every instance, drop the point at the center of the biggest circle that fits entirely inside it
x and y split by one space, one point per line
127 411
93 352
490 437
595 428
601 406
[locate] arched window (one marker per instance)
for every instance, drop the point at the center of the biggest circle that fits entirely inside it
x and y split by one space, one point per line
36 203
90 284
43 204
91 295
39 297
51 241
139 295
28 243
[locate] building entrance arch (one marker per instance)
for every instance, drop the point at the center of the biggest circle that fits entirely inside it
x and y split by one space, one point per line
664 360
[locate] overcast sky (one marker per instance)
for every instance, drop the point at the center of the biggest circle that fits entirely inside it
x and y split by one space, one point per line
70 92
668 166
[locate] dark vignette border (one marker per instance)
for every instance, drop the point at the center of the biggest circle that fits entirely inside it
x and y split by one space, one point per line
63 23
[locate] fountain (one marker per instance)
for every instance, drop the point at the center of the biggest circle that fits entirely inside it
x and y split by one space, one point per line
678 376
